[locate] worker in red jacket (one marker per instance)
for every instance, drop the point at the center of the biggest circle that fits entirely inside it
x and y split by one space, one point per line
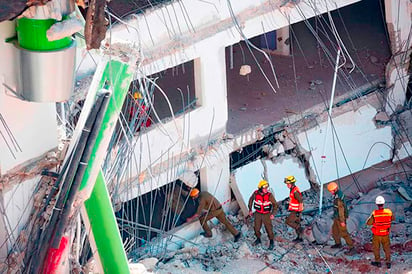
265 207
295 207
381 221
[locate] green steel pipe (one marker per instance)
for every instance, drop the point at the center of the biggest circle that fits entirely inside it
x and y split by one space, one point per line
105 230
98 206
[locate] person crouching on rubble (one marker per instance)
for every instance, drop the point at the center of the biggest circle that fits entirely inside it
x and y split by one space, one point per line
209 207
265 207
381 221
295 207
340 214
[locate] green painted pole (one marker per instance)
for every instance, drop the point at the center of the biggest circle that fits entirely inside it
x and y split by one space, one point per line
99 210
105 229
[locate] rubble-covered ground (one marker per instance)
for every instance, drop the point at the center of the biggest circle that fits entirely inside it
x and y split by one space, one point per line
221 255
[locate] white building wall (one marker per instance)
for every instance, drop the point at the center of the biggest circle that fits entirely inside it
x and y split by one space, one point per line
33 125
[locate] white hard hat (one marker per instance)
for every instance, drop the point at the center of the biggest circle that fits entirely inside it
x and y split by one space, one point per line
380 200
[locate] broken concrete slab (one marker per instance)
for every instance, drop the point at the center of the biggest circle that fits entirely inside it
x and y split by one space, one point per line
149 263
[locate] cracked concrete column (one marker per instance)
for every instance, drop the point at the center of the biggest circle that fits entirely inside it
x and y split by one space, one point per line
210 85
398 20
282 42
215 179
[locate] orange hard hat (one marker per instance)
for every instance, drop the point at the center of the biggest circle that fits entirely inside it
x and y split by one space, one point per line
194 192
332 186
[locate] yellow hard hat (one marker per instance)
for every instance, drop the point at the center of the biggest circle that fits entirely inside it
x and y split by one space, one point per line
332 186
194 192
263 183
290 179
137 95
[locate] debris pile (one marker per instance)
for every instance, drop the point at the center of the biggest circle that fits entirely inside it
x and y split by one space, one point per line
221 254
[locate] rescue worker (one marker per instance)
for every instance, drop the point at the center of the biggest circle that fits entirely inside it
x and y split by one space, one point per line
209 207
295 207
381 220
340 214
139 112
265 207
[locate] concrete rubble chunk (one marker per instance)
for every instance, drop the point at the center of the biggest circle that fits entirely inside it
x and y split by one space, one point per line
244 250
245 70
374 59
382 117
189 178
316 82
402 191
408 246
138 268
149 263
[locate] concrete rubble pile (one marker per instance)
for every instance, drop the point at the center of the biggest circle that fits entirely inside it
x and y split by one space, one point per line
220 254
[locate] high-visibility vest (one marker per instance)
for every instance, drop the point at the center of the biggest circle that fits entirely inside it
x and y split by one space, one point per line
262 203
382 221
294 204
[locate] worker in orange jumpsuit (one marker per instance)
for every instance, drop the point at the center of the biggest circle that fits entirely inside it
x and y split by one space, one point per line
209 207
340 214
381 221
295 207
265 207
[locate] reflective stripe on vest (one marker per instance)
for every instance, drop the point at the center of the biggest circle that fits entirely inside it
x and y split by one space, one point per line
382 221
294 204
262 203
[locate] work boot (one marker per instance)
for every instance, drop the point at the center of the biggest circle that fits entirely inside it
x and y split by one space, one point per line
388 265
204 234
378 264
271 245
258 241
351 251
336 246
237 237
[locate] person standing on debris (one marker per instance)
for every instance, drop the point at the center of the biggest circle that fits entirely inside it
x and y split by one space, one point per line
295 207
340 214
265 207
381 220
209 207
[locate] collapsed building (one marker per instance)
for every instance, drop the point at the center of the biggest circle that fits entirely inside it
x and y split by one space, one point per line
111 114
